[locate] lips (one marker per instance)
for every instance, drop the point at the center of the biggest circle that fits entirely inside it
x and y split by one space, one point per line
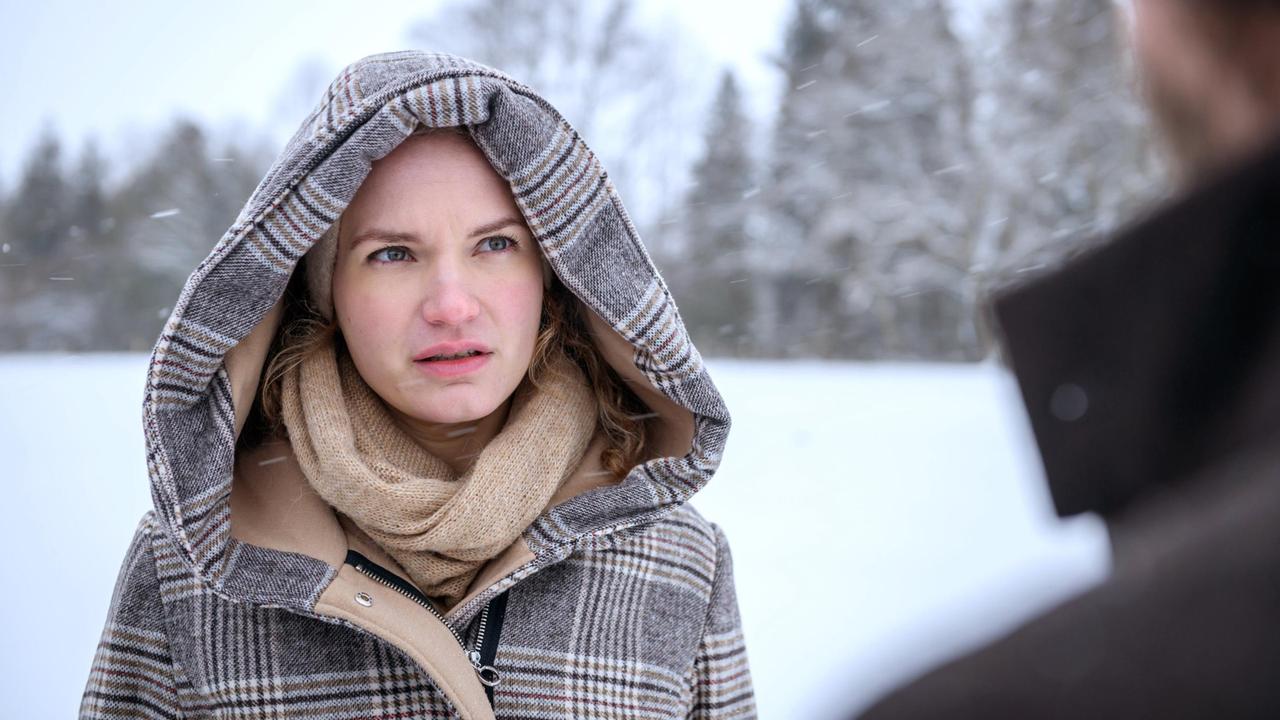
455 356
448 360
446 352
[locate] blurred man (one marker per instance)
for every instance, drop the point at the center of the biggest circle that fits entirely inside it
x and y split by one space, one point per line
1151 373
1211 72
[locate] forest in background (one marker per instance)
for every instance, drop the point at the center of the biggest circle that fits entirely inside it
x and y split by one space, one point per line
907 170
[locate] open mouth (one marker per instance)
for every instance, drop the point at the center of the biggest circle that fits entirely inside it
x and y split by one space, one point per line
455 364
453 356
453 359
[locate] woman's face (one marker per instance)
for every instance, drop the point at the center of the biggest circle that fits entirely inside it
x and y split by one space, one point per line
437 284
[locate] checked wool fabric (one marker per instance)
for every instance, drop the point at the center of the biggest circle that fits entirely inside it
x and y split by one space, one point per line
628 608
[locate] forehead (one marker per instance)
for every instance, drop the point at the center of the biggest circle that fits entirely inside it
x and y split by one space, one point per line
428 175
439 157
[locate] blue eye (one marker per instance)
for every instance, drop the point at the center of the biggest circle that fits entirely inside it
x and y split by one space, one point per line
498 243
392 254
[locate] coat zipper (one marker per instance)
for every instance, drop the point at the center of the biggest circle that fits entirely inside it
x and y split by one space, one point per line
488 674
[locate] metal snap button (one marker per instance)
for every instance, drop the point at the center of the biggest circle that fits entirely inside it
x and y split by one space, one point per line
364 599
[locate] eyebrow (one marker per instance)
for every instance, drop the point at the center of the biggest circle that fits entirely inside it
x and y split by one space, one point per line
381 235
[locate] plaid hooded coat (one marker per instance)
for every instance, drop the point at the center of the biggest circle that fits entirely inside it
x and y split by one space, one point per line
234 599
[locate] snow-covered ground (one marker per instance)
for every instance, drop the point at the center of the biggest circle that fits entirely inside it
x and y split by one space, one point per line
882 518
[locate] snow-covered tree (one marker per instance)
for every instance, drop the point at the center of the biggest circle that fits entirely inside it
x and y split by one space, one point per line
1067 141
87 209
36 218
52 270
713 278
171 210
870 181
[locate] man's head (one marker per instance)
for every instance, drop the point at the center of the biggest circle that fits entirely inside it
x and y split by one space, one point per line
1211 71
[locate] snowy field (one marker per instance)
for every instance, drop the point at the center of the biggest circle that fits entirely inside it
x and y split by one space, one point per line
883 518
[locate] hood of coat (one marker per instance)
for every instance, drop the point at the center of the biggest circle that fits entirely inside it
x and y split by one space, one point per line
1155 356
229 309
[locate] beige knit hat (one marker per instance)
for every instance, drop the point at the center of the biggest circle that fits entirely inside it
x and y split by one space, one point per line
320 259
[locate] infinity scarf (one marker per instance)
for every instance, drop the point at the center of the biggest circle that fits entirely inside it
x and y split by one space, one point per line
441 527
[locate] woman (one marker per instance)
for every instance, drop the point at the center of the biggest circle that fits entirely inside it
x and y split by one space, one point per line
440 467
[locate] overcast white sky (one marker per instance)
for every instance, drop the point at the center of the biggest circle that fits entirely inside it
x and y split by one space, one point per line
120 70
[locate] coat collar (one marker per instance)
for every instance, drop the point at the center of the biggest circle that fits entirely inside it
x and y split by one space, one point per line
1159 353
274 509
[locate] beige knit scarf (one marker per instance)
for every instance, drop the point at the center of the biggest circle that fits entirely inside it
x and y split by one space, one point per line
439 526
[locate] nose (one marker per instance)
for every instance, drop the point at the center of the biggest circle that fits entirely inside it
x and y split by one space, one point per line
450 299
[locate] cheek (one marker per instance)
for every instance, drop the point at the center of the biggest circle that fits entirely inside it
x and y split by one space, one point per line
520 312
367 320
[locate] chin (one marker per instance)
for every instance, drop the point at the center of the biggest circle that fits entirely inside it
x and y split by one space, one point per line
448 411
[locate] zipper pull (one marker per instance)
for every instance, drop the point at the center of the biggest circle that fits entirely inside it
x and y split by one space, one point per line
488 673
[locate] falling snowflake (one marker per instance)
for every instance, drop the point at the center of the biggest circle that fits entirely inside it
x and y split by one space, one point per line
165 213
